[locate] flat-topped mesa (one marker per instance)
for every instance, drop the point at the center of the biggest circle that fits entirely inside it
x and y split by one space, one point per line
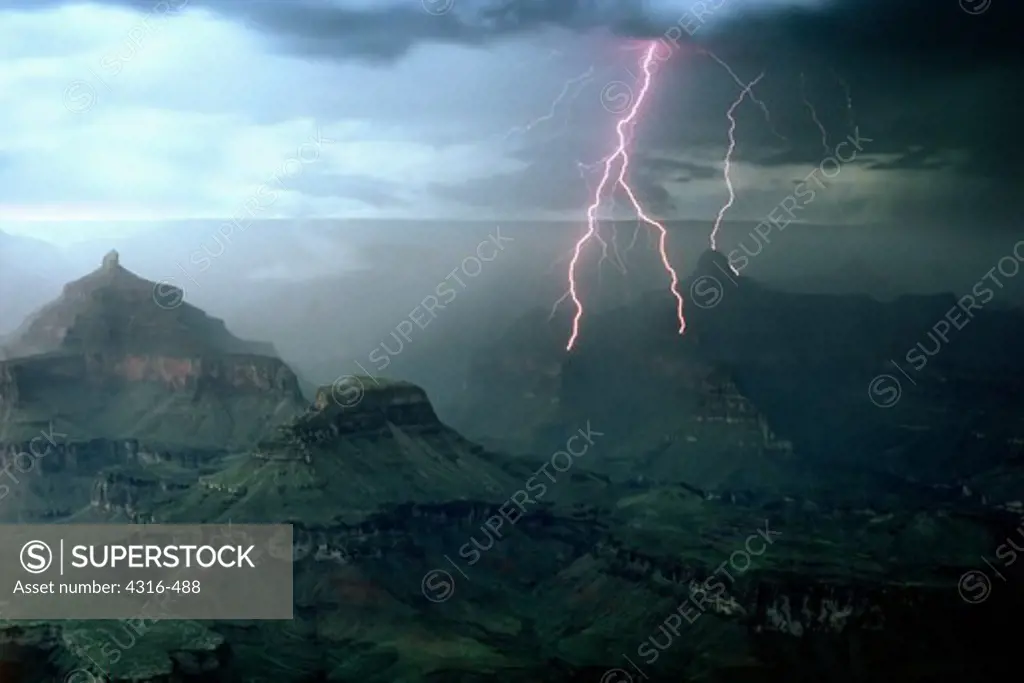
112 308
359 404
355 393
354 406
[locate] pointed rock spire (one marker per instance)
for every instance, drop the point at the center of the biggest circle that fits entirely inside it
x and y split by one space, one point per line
111 261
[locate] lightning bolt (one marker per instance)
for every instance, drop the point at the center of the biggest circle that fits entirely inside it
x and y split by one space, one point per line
554 307
851 115
753 97
814 113
621 153
629 247
727 164
565 93
612 257
616 256
619 254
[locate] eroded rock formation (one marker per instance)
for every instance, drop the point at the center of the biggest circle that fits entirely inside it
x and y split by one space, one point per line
119 357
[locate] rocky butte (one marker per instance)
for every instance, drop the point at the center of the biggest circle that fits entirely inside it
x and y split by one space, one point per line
104 376
384 498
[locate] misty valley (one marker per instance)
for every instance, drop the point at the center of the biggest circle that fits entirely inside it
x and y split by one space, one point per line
716 506
518 341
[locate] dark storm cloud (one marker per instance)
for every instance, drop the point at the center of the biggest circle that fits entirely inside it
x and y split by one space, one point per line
390 29
553 181
939 30
925 75
926 79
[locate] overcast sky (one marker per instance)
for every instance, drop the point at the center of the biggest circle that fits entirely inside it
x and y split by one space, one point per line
125 113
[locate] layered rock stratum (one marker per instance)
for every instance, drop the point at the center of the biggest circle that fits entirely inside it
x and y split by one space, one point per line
402 572
111 375
111 358
417 558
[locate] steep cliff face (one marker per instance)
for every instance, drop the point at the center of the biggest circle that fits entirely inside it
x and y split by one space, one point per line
30 377
375 486
120 493
690 587
367 404
117 357
52 478
361 447
48 453
391 521
209 402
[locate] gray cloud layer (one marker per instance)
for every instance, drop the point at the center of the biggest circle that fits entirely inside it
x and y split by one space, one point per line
932 86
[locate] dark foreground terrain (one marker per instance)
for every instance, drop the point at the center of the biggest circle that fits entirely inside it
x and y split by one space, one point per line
720 507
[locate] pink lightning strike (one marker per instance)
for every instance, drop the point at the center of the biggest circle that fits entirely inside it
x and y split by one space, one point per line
620 151
727 169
